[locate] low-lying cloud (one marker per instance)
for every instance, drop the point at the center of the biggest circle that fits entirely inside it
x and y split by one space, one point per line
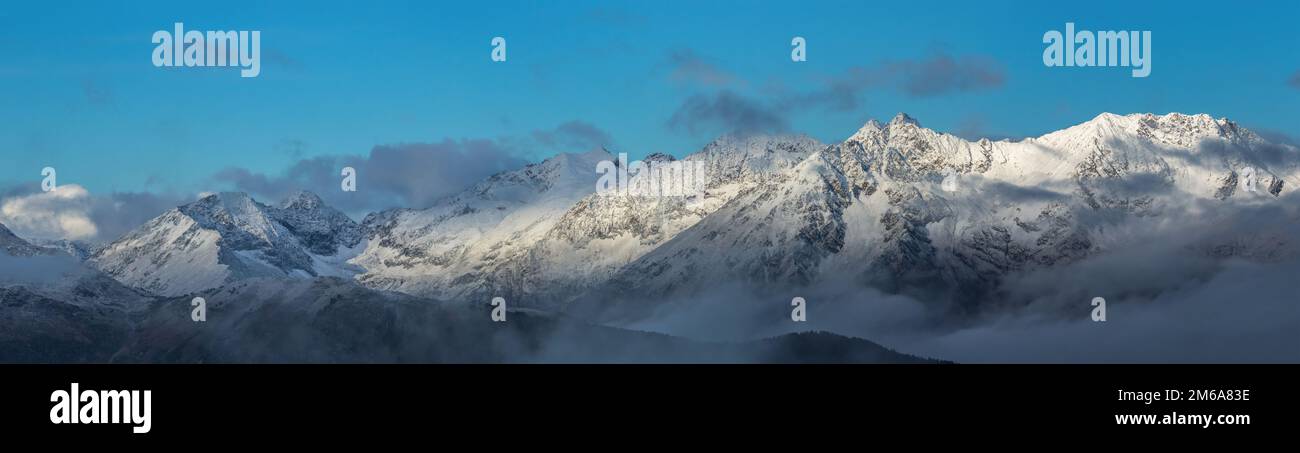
1205 281
72 212
410 175
59 213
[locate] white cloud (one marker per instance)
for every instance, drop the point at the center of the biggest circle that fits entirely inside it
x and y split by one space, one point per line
63 213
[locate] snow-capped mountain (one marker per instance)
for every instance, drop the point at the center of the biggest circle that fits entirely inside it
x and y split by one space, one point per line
540 236
895 206
455 250
323 230
906 209
602 233
229 236
895 209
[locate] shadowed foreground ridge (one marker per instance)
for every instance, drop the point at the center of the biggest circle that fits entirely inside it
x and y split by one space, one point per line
329 320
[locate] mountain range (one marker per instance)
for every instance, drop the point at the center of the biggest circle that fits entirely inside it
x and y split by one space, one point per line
895 207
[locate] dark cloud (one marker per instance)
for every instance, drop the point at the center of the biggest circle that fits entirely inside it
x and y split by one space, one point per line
119 212
728 112
573 136
407 175
685 66
940 74
403 175
725 110
1295 80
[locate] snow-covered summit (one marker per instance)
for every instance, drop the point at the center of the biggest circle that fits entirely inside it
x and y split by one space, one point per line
228 236
321 228
1173 129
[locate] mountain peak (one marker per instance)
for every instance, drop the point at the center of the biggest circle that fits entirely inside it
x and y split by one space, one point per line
318 226
581 160
735 142
227 236
227 201
1174 129
1106 117
903 118
659 157
871 128
302 200
223 205
1170 120
215 197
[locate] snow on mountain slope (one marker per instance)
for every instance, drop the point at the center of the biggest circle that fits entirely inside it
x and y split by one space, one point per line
451 251
541 235
80 250
12 245
322 229
603 232
876 211
46 292
230 236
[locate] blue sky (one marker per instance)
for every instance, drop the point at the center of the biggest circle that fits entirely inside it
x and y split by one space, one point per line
340 78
